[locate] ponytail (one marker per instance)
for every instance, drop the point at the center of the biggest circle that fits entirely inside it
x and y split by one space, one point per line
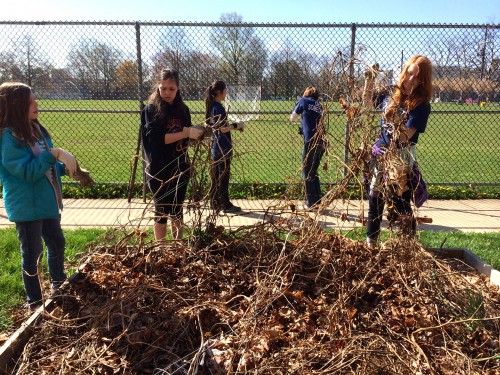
210 93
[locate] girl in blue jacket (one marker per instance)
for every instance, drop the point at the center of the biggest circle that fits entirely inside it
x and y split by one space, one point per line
30 176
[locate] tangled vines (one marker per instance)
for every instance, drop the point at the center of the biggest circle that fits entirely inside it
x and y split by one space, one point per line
266 301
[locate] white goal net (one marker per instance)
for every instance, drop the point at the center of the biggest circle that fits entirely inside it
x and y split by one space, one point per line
243 102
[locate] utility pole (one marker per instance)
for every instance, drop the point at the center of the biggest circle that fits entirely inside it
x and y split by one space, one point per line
483 52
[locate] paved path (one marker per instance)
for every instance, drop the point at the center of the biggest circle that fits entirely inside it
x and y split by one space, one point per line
463 215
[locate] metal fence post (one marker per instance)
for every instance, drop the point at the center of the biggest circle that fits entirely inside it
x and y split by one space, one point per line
351 91
141 106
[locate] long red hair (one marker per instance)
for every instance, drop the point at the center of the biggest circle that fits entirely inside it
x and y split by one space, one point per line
423 92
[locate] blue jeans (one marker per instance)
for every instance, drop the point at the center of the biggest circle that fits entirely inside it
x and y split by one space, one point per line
311 157
30 234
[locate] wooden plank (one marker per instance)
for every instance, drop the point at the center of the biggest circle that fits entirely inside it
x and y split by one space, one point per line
472 260
449 252
12 348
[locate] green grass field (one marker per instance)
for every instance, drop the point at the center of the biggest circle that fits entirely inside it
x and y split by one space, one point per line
456 148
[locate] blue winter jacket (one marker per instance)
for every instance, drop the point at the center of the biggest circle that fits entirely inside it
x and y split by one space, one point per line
27 192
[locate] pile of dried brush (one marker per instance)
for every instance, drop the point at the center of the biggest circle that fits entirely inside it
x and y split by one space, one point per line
263 300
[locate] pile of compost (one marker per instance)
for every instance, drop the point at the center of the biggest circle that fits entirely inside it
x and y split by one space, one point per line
266 299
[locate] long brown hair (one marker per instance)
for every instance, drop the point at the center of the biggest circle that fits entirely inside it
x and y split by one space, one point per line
423 92
14 108
165 75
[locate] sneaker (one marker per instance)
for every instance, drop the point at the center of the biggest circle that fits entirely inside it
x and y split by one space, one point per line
308 207
371 245
216 206
33 305
55 289
55 292
231 209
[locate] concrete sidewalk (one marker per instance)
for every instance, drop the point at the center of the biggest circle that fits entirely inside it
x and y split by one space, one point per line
463 215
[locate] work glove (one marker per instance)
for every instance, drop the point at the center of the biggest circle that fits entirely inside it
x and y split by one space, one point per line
372 71
82 176
239 126
209 131
195 132
66 158
377 150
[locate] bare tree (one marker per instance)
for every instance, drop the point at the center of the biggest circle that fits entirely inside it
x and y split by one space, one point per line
94 65
291 71
24 62
174 47
464 61
198 72
242 55
177 52
9 68
255 61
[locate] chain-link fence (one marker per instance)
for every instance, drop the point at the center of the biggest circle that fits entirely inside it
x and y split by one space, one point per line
92 78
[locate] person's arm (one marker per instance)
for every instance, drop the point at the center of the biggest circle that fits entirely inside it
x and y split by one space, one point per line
19 161
234 126
370 75
174 137
417 122
66 158
226 128
193 132
406 134
188 131
297 111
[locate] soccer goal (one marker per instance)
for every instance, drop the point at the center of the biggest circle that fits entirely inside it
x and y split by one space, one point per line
243 102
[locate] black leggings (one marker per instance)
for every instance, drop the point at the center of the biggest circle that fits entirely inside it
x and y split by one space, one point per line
398 205
169 196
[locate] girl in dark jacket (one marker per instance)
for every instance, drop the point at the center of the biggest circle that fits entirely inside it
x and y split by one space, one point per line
310 110
222 146
165 129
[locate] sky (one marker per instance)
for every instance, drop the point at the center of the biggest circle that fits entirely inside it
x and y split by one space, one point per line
257 11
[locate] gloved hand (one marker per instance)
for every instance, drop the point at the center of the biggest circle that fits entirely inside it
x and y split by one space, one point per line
239 125
377 150
209 131
66 158
82 176
372 71
195 132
